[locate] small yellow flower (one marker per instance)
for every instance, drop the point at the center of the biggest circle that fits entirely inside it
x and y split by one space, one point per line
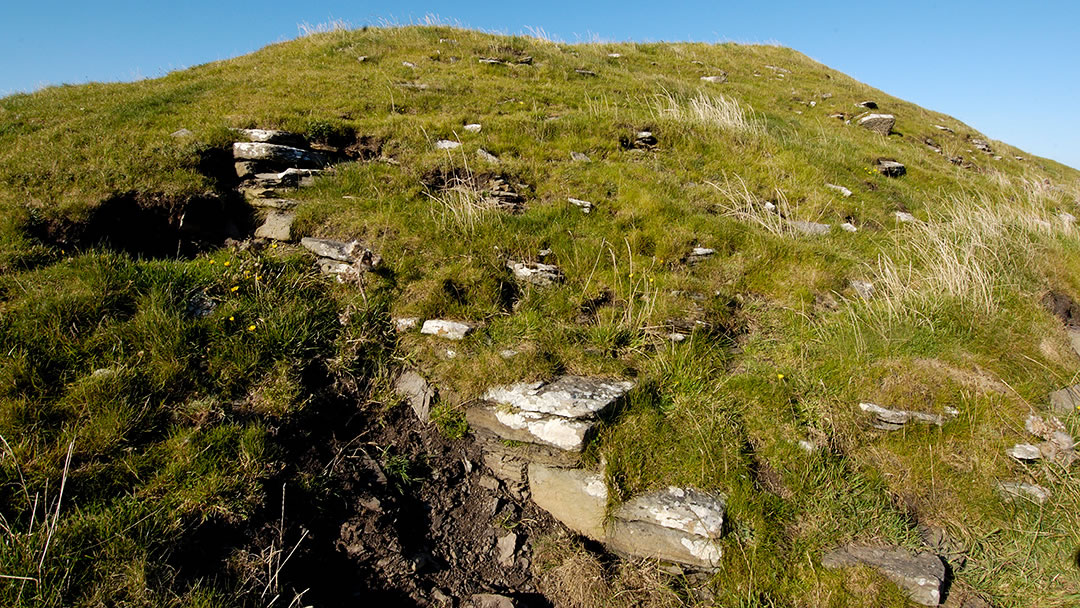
251 327
779 376
234 288
227 263
247 274
211 261
631 275
258 278
231 318
273 246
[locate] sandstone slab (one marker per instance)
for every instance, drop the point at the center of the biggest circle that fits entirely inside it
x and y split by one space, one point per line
677 524
921 575
278 154
575 497
277 226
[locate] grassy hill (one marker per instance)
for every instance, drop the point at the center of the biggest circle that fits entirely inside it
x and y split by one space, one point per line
158 393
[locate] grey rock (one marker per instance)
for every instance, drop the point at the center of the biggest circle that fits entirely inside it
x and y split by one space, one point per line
585 72
579 157
677 524
1025 452
645 138
491 61
277 226
811 228
982 146
890 168
865 289
1013 490
408 64
1066 400
451 330
921 575
585 206
246 169
181 133
505 466
351 251
279 204
473 127
848 227
717 79
844 192
869 105
698 254
505 548
944 128
402 324
278 154
539 274
270 136
577 498
446 144
881 124
888 419
484 155
415 389
904 217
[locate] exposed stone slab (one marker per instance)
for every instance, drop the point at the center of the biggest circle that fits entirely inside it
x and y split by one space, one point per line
575 497
1066 400
844 192
451 330
274 153
568 434
585 206
1014 490
277 226
579 157
446 144
921 575
1024 451
351 251
416 390
568 396
536 273
698 254
890 168
272 136
487 156
677 524
890 420
473 127
811 228
881 124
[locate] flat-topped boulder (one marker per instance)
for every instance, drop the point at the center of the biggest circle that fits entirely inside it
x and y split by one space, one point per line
277 226
890 168
272 136
920 575
278 154
890 420
679 525
559 414
881 124
536 273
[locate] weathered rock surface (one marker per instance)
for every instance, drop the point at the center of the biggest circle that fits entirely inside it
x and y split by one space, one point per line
1066 400
491 600
473 127
1058 446
278 154
869 105
881 124
417 392
904 217
486 156
921 575
579 157
717 79
890 420
677 524
698 254
336 250
585 206
848 227
536 273
575 497
890 168
405 323
446 144
451 330
1025 451
560 414
844 192
182 133
271 136
277 226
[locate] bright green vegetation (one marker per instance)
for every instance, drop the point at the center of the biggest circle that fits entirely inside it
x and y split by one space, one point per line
178 430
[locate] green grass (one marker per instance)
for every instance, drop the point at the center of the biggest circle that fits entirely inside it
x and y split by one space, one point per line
178 431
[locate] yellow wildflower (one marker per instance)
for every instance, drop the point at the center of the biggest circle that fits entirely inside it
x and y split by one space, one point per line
251 327
234 288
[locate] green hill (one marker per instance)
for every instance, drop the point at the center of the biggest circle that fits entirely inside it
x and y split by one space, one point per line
194 417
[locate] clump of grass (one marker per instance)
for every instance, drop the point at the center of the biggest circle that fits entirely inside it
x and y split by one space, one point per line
718 111
739 203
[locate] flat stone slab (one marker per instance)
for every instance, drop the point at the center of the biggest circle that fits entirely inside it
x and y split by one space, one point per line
811 228
844 192
699 254
278 154
890 420
536 273
717 79
277 226
351 251
921 575
568 396
575 497
272 136
1014 490
567 434
881 124
585 206
1066 400
446 144
890 168
451 330
677 524
411 386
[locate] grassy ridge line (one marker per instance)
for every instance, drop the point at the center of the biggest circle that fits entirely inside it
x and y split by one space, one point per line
793 347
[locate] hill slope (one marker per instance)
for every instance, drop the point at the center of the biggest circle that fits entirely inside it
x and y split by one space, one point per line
162 385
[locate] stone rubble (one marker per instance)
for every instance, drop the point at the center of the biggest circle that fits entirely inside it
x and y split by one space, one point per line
921 576
536 273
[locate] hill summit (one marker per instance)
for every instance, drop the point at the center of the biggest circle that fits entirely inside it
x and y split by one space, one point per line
428 316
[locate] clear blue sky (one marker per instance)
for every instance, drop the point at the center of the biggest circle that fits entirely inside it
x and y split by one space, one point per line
1009 69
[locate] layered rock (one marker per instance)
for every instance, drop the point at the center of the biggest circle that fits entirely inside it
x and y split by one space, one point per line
890 420
921 575
536 273
278 154
881 124
346 260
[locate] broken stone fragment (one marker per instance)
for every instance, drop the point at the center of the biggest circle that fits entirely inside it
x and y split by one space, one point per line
491 600
536 273
698 254
484 155
889 420
944 128
417 392
677 524
585 206
904 217
811 228
1012 490
351 252
584 72
579 157
645 138
575 497
505 548
270 136
848 227
473 127
446 144
1066 400
281 155
405 323
921 576
277 226
451 330
881 124
1025 452
717 79
890 168
844 192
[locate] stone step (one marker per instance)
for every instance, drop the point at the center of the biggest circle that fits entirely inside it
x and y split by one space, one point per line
278 154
